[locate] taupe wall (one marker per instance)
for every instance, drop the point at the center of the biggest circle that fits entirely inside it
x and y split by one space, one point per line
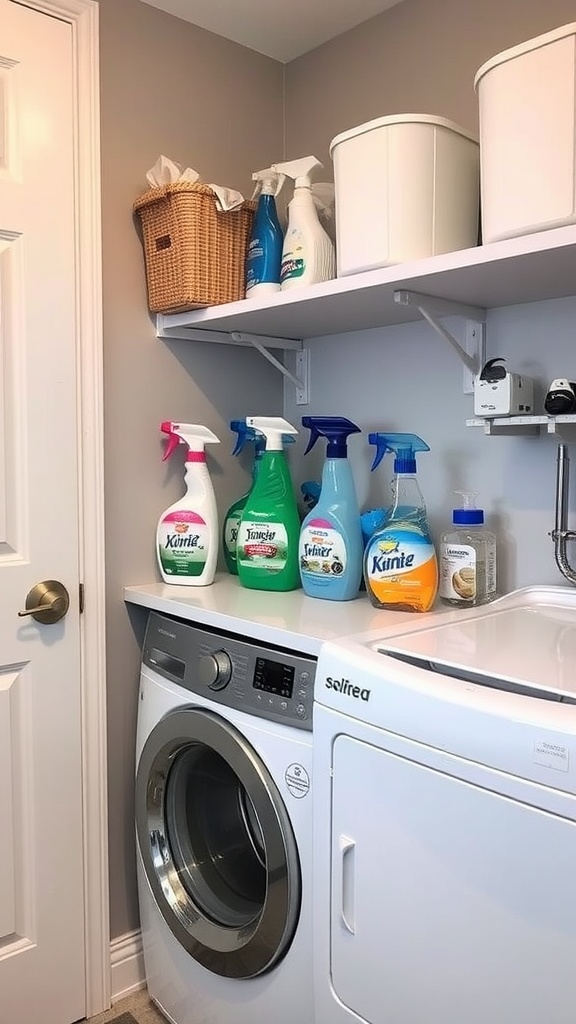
167 87
422 57
419 57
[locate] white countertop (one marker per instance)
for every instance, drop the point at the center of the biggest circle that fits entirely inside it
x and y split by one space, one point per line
290 620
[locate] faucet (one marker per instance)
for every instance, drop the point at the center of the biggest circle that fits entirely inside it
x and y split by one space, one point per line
560 534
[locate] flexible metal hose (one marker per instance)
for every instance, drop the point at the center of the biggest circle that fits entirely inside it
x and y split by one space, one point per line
560 533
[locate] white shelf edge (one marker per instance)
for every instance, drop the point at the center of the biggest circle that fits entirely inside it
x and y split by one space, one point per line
269 312
562 426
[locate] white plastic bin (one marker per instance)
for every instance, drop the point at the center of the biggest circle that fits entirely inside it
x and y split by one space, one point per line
527 121
407 187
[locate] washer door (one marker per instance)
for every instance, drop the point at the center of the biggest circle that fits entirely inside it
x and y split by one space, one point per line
217 845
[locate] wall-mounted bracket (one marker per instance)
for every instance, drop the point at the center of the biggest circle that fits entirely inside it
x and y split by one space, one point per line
472 353
300 379
262 344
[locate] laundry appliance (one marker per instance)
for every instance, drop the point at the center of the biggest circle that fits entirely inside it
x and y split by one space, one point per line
445 818
224 826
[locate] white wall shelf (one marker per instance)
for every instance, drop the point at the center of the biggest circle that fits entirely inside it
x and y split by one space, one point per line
514 271
559 426
517 270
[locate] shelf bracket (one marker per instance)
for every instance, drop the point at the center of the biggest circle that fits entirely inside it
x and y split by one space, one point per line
300 379
262 344
472 353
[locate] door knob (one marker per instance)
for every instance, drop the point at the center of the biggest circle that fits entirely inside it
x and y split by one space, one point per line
47 602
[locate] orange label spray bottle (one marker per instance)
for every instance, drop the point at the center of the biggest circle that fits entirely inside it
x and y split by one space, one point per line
400 564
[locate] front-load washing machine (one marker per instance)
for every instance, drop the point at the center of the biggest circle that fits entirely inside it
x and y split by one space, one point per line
224 826
445 818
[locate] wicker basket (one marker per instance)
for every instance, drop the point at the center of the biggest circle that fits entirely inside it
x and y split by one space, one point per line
195 255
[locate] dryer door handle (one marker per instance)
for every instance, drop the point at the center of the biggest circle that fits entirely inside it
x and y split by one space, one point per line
347 854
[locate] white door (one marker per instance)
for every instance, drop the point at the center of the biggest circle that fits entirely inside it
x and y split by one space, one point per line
41 854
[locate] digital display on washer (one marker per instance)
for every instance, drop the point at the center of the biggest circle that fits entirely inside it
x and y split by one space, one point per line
274 677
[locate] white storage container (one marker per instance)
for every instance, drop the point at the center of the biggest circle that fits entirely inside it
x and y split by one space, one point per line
527 120
407 187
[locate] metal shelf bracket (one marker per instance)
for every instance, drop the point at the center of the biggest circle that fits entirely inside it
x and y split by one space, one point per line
261 343
472 352
300 379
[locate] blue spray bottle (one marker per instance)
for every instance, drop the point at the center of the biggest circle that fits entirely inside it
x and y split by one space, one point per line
331 547
264 257
400 564
234 513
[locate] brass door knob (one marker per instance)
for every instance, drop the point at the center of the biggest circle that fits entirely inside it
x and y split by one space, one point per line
47 602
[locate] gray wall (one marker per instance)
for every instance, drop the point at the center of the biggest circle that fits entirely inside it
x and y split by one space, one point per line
166 87
406 378
169 87
422 56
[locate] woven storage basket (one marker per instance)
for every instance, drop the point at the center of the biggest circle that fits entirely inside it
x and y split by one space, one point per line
195 255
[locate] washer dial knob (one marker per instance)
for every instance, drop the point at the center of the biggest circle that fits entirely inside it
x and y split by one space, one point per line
215 670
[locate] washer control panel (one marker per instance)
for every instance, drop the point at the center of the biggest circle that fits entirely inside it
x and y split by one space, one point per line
270 682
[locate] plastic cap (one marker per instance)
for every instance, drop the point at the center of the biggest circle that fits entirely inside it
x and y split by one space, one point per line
468 514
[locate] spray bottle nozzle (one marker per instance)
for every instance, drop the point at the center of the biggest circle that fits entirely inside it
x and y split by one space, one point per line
246 433
274 429
336 430
404 447
269 181
192 434
299 170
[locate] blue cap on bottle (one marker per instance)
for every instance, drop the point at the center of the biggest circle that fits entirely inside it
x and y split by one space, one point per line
468 514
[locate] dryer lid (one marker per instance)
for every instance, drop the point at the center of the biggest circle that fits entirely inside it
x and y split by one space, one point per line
524 643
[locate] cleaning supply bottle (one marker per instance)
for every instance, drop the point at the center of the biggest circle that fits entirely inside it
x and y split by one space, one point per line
400 564
234 513
330 549
267 549
187 534
308 252
467 557
264 256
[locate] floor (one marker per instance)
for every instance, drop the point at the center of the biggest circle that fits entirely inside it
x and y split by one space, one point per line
139 1005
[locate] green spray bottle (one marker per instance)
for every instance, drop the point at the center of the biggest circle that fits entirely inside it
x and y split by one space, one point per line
267 548
400 563
234 513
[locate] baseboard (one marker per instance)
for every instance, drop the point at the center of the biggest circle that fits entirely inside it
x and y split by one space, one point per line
127 965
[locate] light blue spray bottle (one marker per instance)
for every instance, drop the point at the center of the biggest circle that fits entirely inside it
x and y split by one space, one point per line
331 546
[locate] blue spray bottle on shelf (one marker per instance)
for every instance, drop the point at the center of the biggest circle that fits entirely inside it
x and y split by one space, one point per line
234 513
400 564
264 258
331 548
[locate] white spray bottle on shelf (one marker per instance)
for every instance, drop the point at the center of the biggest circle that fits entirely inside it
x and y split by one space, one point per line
187 534
308 252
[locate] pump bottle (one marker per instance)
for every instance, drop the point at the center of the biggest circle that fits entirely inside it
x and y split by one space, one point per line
467 557
308 252
264 258
400 564
234 513
331 547
267 548
187 533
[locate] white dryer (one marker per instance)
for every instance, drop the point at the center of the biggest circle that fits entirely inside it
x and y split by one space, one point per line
445 819
224 826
